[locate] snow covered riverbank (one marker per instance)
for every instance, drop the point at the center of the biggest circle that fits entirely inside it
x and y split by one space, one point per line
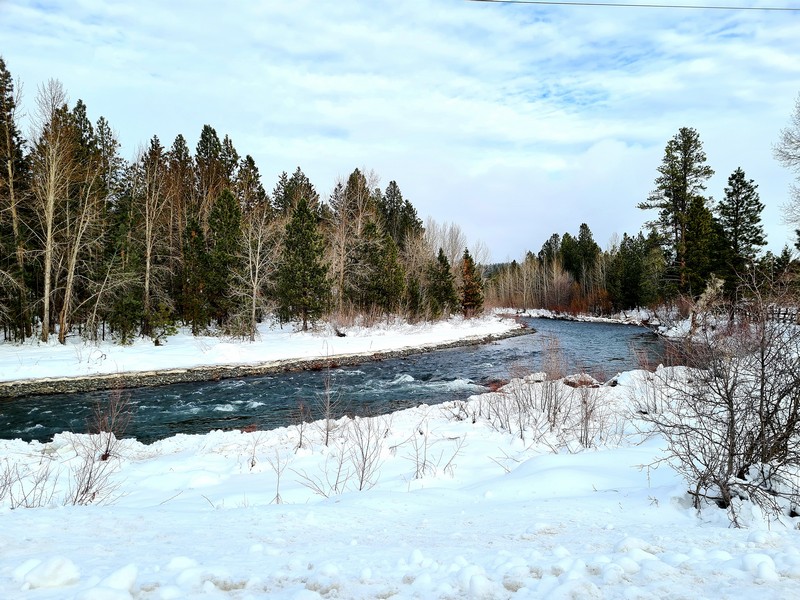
275 345
461 500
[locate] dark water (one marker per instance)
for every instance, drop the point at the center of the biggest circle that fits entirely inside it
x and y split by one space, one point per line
272 401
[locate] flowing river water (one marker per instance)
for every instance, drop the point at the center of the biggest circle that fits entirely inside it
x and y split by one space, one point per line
271 401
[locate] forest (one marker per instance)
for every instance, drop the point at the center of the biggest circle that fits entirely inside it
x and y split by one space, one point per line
105 248
690 242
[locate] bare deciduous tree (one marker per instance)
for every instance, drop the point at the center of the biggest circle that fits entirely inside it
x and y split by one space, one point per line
787 152
259 254
53 170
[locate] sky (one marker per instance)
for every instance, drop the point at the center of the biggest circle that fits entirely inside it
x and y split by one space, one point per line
514 121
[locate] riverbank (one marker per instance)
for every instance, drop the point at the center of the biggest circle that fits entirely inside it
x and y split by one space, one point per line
637 317
40 369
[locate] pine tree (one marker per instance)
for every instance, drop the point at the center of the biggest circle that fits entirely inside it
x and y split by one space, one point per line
302 288
740 220
682 177
180 189
290 190
249 189
224 233
210 172
701 246
14 173
550 249
376 278
471 286
399 215
625 273
441 288
196 307
588 250
229 158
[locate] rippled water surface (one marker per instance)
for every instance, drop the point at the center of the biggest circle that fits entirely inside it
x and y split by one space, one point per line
272 401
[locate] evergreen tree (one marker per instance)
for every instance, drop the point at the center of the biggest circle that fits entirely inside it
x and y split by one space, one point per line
249 189
302 287
441 288
625 273
471 286
682 177
376 278
702 248
112 165
196 307
550 249
740 221
125 257
210 172
14 182
570 255
634 272
399 215
392 284
224 233
181 199
290 190
588 250
229 158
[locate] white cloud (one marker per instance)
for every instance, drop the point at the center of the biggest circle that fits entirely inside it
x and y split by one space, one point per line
515 121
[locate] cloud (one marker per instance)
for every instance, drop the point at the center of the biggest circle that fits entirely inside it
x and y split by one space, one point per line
514 121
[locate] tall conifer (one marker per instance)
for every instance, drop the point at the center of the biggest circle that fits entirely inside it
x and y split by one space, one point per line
471 286
303 289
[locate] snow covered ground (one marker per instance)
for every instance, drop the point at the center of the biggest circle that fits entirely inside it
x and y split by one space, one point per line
447 501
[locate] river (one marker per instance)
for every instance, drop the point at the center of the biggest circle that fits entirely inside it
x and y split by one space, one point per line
271 401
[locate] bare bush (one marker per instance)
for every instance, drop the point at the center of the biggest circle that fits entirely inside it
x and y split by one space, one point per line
554 399
432 456
110 422
589 422
29 486
332 477
302 417
419 441
365 439
330 407
98 454
6 479
278 466
733 429
253 444
92 476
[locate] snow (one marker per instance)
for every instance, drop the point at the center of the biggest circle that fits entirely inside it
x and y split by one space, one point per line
451 505
36 360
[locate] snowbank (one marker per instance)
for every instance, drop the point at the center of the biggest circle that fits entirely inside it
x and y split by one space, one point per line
447 501
78 358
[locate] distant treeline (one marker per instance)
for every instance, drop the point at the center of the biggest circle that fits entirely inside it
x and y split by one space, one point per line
691 240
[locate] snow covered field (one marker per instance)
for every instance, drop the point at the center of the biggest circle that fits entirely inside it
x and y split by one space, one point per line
452 505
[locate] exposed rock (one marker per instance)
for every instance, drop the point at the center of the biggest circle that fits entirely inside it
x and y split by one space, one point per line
581 380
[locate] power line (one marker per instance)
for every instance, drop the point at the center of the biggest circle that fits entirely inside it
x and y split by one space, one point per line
639 5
